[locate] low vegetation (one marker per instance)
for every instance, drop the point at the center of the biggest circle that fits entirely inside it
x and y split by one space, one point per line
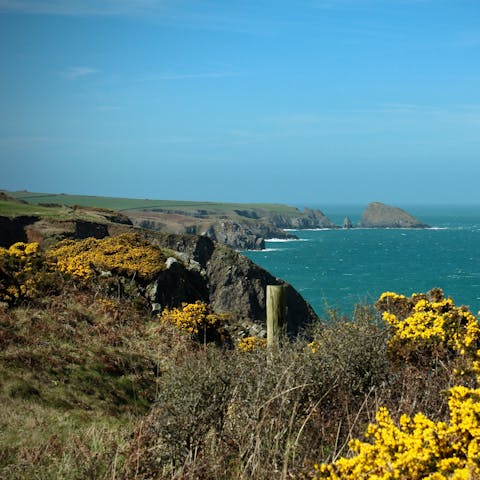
113 203
95 385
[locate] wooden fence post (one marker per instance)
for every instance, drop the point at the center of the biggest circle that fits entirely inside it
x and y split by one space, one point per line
276 313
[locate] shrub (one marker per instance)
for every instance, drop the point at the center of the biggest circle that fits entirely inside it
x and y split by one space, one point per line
415 448
24 273
426 330
127 254
195 318
249 344
263 415
429 326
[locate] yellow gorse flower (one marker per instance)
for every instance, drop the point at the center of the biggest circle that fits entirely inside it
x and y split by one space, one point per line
419 448
250 344
421 322
193 318
416 448
127 254
16 263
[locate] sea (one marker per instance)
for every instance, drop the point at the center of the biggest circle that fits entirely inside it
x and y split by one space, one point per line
337 269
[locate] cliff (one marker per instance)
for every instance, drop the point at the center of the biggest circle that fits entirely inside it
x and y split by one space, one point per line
198 269
307 219
379 215
231 282
239 229
240 225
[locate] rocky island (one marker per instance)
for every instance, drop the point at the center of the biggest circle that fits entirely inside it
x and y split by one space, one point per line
379 215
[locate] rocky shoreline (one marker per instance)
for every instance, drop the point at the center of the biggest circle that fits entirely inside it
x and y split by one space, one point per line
240 226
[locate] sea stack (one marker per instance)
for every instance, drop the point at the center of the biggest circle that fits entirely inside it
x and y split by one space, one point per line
347 223
379 215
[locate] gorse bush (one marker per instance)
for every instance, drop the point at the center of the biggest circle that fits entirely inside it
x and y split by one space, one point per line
16 263
429 325
24 274
417 448
250 344
423 326
127 254
197 318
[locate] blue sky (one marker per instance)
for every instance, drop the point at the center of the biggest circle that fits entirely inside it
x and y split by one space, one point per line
293 101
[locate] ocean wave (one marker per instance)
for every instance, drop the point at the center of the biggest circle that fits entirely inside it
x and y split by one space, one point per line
264 250
282 240
308 229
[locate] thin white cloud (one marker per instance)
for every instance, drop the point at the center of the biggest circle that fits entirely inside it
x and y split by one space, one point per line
196 15
77 72
186 76
79 7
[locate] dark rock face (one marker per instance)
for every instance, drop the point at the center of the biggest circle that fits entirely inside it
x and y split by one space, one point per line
198 248
238 286
13 229
177 284
235 235
306 219
379 215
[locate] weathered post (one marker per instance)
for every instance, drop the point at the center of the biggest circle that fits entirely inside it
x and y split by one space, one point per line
276 313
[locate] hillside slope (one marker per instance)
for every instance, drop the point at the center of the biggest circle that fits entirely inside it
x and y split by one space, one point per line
241 226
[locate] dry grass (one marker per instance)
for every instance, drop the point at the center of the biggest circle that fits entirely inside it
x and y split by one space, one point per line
92 386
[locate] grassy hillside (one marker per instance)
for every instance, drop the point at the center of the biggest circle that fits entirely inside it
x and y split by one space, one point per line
13 209
213 208
92 385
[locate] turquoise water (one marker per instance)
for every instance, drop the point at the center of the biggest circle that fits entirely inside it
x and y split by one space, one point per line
340 268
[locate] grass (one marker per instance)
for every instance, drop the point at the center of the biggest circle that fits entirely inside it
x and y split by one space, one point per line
61 212
100 389
74 380
115 203
93 386
13 209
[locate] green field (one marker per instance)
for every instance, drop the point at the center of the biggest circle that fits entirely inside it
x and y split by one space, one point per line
13 209
124 204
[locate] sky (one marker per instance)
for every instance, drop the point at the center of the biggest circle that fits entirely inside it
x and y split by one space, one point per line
289 101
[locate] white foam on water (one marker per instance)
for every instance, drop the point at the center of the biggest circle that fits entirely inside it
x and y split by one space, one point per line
284 240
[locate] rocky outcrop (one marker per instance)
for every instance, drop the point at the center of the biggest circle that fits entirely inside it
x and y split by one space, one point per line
241 229
307 219
379 215
235 285
199 269
235 235
347 223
